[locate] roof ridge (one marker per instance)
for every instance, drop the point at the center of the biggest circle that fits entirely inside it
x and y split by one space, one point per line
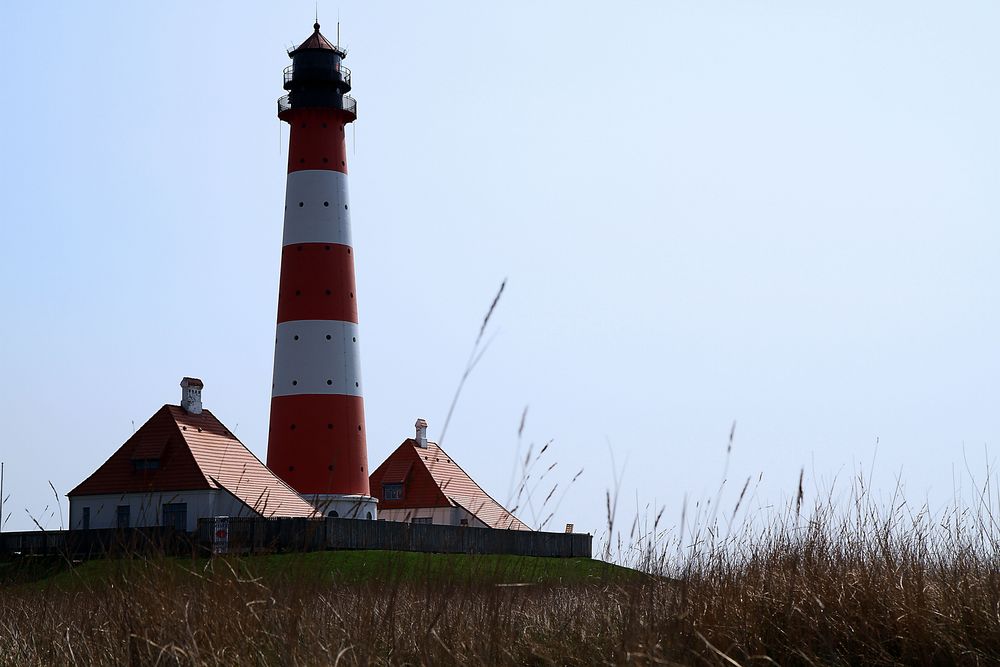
471 479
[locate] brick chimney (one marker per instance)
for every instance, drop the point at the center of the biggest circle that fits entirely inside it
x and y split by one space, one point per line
191 395
421 437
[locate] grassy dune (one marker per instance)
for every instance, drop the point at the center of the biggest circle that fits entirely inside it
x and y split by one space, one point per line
863 586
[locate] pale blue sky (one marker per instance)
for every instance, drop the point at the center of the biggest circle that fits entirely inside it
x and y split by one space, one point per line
779 213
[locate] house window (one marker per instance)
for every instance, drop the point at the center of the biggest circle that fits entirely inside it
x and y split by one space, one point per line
421 519
463 522
392 491
333 514
145 464
175 515
122 516
86 518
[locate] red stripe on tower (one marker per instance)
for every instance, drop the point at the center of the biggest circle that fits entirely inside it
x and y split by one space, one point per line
316 441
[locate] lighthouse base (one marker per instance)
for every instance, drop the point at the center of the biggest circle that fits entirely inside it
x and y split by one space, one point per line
344 506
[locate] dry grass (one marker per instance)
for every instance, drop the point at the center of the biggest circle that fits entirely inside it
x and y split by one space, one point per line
828 586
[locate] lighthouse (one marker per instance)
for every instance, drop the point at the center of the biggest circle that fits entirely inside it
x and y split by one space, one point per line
316 439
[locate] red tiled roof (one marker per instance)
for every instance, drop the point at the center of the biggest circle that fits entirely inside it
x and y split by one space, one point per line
195 452
437 481
149 446
316 41
397 471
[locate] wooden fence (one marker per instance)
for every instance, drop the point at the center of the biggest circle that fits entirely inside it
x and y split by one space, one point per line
249 535
96 542
258 535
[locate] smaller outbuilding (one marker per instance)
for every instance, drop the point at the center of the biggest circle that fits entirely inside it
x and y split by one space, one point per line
421 483
182 465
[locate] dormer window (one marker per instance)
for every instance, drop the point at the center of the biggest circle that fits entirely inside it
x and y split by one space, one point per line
392 491
145 464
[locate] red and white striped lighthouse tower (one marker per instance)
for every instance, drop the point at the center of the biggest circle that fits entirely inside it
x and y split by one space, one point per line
316 441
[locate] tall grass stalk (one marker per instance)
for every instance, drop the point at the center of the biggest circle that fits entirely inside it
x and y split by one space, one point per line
819 582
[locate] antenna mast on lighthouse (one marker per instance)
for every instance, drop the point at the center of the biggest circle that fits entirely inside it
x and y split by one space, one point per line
316 440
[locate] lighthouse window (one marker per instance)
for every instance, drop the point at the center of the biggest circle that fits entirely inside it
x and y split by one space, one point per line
294 382
296 338
326 203
301 204
392 491
345 207
329 381
330 426
328 336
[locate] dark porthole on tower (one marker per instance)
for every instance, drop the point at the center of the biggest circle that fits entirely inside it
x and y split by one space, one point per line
291 468
294 382
328 337
301 204
326 203
330 467
293 427
329 426
329 382
296 338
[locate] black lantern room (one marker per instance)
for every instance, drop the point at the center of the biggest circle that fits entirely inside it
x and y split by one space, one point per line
316 77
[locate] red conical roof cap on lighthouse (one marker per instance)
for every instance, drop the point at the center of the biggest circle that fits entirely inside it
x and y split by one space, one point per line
316 41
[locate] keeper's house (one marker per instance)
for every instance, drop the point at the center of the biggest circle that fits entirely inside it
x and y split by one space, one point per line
421 483
182 465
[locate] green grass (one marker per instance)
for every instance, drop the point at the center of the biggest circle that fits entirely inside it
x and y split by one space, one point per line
322 567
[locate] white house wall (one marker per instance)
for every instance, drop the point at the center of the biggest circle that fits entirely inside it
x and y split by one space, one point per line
442 516
146 509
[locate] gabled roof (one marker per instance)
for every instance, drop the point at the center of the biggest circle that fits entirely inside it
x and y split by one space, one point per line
435 480
195 451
